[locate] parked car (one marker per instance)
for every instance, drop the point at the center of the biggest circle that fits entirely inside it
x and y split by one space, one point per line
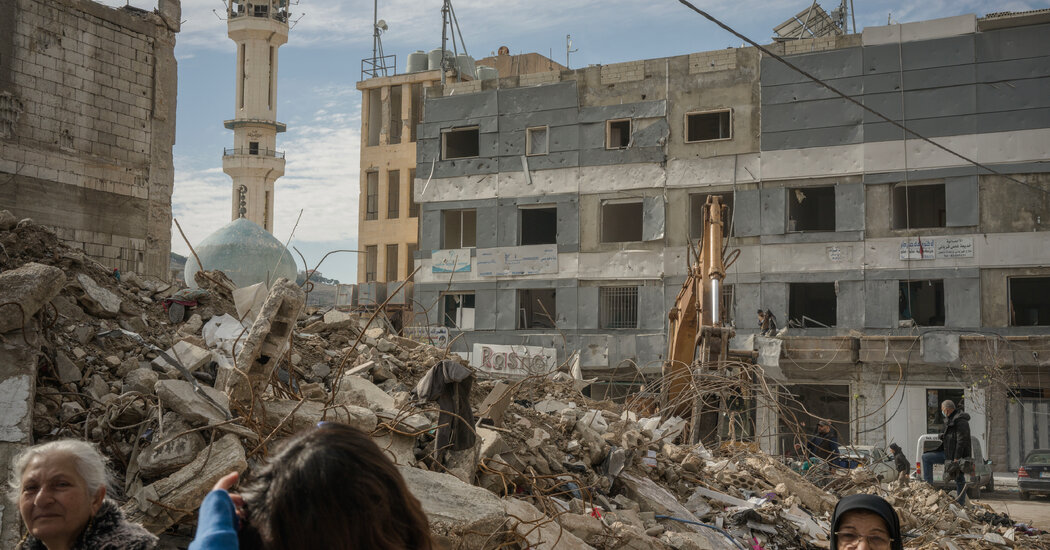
871 457
1033 477
981 477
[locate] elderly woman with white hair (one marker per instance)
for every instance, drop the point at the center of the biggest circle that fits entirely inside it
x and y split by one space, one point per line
60 489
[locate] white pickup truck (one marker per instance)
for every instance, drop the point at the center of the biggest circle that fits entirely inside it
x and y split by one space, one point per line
982 476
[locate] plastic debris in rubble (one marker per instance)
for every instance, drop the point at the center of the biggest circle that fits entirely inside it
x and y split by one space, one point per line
245 252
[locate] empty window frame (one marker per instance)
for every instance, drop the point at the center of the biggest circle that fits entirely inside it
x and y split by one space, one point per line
391 263
536 308
537 225
708 126
393 194
395 115
918 206
618 133
371 262
696 213
375 116
621 221
460 229
1029 301
922 302
618 307
413 206
812 304
536 141
372 195
457 311
460 143
811 209
253 147
416 116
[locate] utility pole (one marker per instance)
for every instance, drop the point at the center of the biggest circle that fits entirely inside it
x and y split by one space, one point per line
568 49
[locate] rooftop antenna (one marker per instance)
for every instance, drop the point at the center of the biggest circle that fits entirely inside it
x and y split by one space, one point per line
568 49
377 65
449 22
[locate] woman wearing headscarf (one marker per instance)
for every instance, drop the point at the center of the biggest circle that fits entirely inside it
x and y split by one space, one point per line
60 488
865 522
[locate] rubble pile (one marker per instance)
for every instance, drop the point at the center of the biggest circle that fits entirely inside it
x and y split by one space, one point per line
178 400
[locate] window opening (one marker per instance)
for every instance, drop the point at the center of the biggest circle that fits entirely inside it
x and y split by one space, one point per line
618 134
618 307
922 302
371 261
536 308
413 206
375 116
460 229
696 214
391 263
460 143
393 194
708 126
538 226
536 141
1029 301
918 206
812 305
811 209
269 80
241 62
395 115
416 116
372 196
266 211
253 147
458 311
621 222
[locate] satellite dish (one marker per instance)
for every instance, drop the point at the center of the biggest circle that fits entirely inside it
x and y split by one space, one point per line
381 25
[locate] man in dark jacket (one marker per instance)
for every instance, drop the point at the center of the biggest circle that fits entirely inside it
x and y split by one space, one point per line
825 443
901 462
955 447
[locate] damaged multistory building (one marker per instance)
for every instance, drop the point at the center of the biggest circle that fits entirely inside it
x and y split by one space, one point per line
87 125
557 210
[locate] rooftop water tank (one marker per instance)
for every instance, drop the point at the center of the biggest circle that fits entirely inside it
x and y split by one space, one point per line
434 58
465 65
417 61
245 252
487 73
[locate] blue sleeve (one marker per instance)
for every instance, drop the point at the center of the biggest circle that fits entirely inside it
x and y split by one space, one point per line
216 524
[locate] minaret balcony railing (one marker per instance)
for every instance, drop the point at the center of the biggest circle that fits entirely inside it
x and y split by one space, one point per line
254 151
260 10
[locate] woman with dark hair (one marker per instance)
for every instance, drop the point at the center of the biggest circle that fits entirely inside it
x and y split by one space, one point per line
329 487
865 522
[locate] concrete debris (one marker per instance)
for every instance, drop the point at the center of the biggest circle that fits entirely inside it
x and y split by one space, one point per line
547 468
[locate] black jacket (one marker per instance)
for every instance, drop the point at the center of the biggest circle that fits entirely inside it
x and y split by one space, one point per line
955 440
901 462
824 446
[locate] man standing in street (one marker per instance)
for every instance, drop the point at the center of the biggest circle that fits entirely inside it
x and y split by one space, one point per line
953 451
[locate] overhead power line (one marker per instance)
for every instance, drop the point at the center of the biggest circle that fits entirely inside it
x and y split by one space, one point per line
836 91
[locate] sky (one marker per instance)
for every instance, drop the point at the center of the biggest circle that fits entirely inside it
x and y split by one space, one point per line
321 63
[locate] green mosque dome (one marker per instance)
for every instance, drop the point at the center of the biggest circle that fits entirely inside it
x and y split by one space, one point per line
245 252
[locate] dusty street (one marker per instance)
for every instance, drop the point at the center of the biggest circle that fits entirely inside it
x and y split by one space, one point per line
1035 512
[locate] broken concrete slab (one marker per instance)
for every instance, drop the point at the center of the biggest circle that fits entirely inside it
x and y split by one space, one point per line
354 390
659 500
180 396
309 413
399 448
25 290
190 356
96 299
66 370
184 489
537 529
17 386
443 496
8 221
496 403
155 462
268 339
140 380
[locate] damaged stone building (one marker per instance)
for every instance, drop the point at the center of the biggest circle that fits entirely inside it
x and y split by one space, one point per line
556 211
87 125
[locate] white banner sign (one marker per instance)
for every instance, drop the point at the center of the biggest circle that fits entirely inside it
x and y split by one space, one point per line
514 361
955 247
518 260
435 336
917 249
455 260
929 248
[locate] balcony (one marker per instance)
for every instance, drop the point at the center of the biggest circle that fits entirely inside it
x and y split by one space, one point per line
280 13
254 151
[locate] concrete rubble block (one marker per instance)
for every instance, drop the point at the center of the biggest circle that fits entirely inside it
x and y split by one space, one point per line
538 530
8 221
309 413
399 448
585 526
354 390
185 489
811 496
179 396
595 421
66 370
96 299
18 366
192 326
443 496
140 380
686 541
492 443
190 356
159 461
553 406
655 498
30 286
267 341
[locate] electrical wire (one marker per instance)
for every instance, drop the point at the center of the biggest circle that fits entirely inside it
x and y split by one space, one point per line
860 104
